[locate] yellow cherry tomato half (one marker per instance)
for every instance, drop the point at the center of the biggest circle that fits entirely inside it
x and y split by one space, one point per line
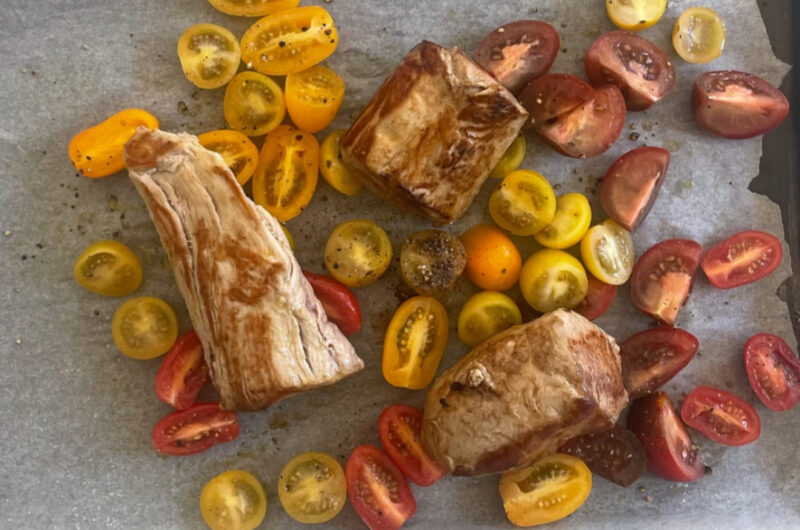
233 500
545 491
312 488
511 159
699 35
313 97
286 173
607 251
486 314
109 268
238 151
415 342
289 237
253 104
493 261
358 252
551 279
333 169
253 8
209 55
571 221
523 203
635 15
144 328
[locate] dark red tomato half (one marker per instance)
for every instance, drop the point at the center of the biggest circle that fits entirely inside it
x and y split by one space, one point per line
670 451
631 185
377 489
737 104
721 416
518 52
195 429
741 259
400 429
339 302
652 357
638 67
553 95
183 372
598 298
773 370
663 277
615 454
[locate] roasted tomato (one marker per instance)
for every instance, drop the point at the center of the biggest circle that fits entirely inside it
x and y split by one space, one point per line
699 35
518 52
598 298
233 500
253 104
109 268
607 251
183 372
616 454
511 159
721 416
238 151
652 357
209 55
493 261
289 237
290 41
313 97
190 431
144 328
339 302
741 259
431 261
736 104
486 314
570 222
312 488
670 451
638 67
286 174
663 277
545 491
253 8
773 370
551 279
635 15
523 203
631 185
377 489
97 151
554 95
415 342
358 252
400 429
333 169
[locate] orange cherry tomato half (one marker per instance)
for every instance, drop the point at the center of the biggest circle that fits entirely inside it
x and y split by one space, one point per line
238 151
493 261
313 97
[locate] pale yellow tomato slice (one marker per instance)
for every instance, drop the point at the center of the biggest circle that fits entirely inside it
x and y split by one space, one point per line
635 15
551 279
523 203
209 55
312 488
233 500
699 35
486 314
571 221
607 251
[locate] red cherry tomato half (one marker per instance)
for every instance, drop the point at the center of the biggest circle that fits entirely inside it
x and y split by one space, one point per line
553 95
670 451
652 357
183 372
400 429
721 416
736 104
663 277
377 489
638 67
195 429
616 454
339 302
631 185
597 300
741 259
773 370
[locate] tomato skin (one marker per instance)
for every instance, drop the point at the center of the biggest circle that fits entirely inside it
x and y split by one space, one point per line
511 159
333 169
553 95
773 370
615 454
598 298
400 430
253 8
339 302
183 372
762 253
652 357
635 16
313 97
721 416
177 433
493 261
238 151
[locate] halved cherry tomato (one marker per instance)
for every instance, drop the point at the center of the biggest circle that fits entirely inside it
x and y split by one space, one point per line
333 169
312 488
616 454
635 15
286 174
289 237
523 203
721 416
663 277
545 491
290 41
415 342
97 151
400 429
313 97
486 314
736 104
554 95
671 453
741 259
144 328
570 223
194 430
358 252
493 261
209 55
183 372
607 251
631 185
109 268
598 298
551 279
377 489
518 52
253 104
638 67
699 35
431 261
773 370
652 357
339 302
233 500
253 8
511 159
238 151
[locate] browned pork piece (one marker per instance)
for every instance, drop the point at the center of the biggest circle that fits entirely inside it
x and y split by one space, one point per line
432 133
521 394
264 333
